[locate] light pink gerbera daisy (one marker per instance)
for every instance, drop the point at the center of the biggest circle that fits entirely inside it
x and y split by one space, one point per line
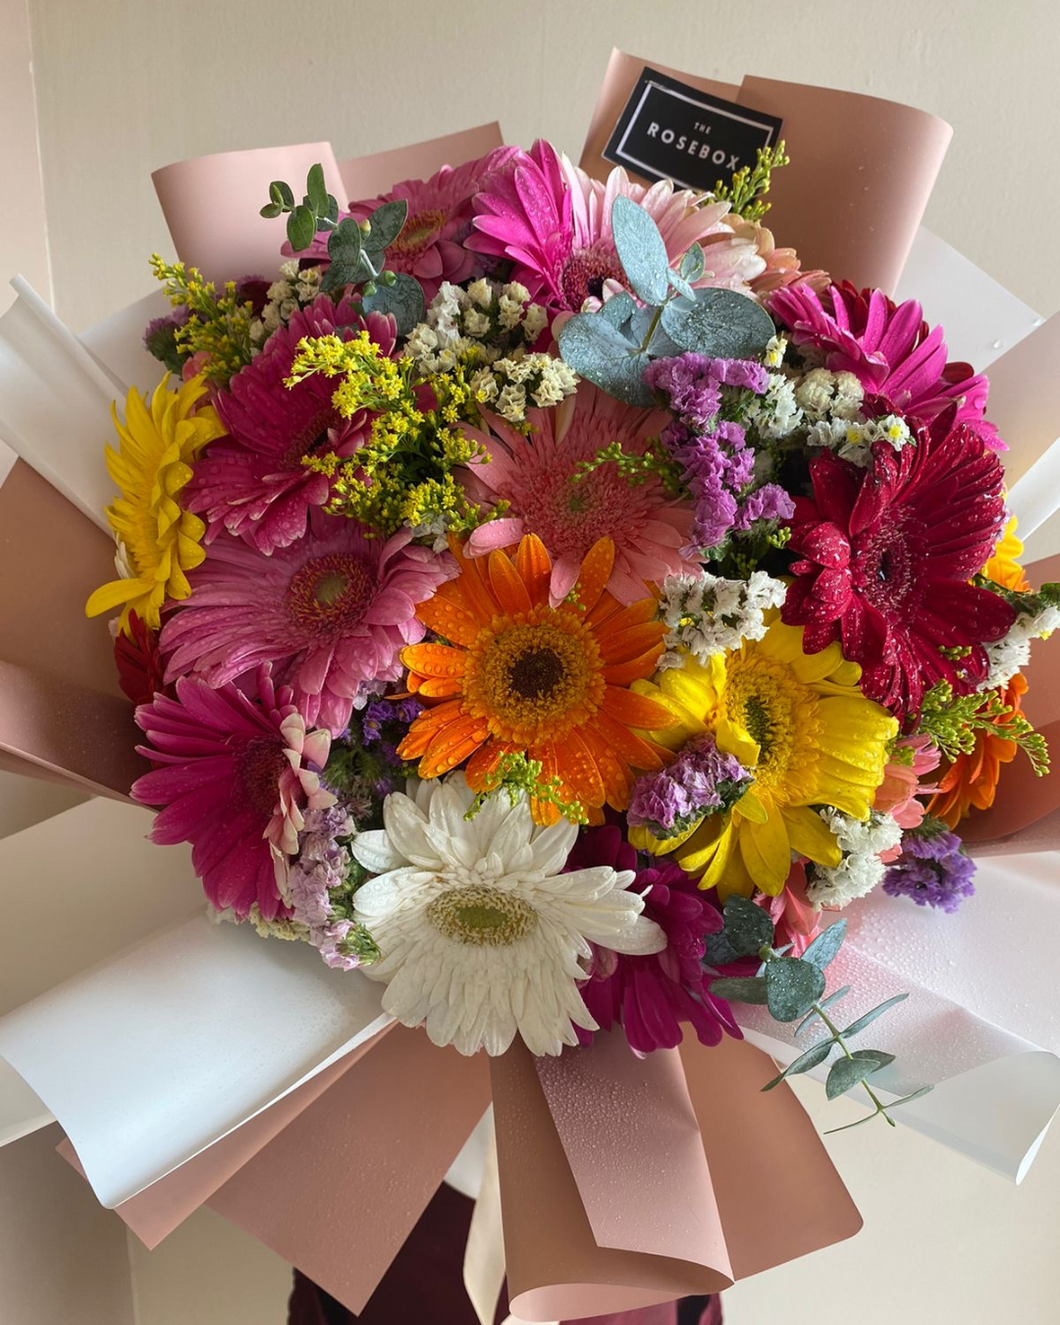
536 475
330 612
431 245
253 482
553 221
234 776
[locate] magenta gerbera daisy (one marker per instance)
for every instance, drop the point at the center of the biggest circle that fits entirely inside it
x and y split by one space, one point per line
234 776
899 361
884 555
536 475
254 482
553 222
651 997
330 613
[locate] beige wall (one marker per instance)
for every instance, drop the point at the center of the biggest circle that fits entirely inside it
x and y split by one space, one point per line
128 85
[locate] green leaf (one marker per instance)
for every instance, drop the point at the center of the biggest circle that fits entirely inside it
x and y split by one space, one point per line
826 945
720 323
337 276
281 193
641 250
692 263
387 222
793 986
301 228
271 210
824 1003
845 1073
660 346
870 1017
858 1122
747 927
619 310
344 243
317 190
680 284
750 989
878 1056
917 1094
332 213
404 299
599 352
810 1059
718 951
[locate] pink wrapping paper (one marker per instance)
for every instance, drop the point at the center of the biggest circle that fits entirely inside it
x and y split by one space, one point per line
369 176
211 206
893 152
62 715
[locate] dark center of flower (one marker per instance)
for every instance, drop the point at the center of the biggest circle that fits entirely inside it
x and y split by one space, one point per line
759 725
536 673
418 233
482 916
585 272
329 594
311 438
259 767
888 567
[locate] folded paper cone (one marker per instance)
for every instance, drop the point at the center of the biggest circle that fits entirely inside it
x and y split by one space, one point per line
211 206
369 176
894 153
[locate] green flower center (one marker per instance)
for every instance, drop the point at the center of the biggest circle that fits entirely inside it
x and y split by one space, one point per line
482 916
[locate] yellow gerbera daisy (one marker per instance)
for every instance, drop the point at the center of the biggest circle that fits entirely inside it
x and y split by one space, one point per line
158 541
1004 566
801 726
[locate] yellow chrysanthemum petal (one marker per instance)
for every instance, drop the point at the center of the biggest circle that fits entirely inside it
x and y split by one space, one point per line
159 441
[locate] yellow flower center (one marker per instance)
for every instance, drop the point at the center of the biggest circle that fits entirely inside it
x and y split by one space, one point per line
534 677
329 593
418 231
482 917
764 698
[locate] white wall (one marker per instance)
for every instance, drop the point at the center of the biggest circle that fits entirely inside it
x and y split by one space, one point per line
125 86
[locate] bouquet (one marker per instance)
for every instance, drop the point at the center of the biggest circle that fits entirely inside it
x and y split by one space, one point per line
553 603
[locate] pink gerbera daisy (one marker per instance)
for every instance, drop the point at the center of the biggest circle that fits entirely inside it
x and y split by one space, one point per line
899 361
431 244
330 612
234 776
536 475
553 221
254 482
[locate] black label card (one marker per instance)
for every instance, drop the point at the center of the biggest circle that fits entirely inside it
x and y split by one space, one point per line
669 130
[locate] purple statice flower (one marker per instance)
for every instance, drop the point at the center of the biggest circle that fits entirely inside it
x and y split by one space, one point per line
932 869
718 467
701 781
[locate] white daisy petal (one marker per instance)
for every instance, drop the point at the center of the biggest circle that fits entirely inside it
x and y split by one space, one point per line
374 852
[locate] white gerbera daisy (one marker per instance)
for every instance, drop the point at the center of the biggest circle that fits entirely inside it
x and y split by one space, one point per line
481 933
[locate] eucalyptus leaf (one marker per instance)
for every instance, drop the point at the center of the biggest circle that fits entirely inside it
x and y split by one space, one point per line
792 986
344 243
719 323
332 215
916 1095
845 1073
826 945
337 276
680 284
824 1003
641 250
660 346
317 190
404 299
619 310
693 263
271 210
810 1059
747 927
870 1017
751 989
387 222
281 193
301 228
597 351
718 951
879 1057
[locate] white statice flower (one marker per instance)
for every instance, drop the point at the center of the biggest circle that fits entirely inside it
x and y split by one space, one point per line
445 310
278 291
775 350
1007 656
708 615
482 936
535 320
814 393
480 292
861 868
776 413
891 429
849 395
476 323
516 291
509 313
511 403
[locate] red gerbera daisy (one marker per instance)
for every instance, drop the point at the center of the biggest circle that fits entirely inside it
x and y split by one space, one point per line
885 554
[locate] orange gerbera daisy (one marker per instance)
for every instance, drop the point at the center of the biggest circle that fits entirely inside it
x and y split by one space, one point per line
971 780
521 676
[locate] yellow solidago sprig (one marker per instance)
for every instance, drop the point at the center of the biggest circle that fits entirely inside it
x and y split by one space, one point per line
403 475
158 540
218 323
748 187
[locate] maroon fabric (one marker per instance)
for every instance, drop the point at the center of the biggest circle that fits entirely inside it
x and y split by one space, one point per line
428 1273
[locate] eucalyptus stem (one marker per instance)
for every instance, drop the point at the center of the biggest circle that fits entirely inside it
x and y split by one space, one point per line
837 1036
653 326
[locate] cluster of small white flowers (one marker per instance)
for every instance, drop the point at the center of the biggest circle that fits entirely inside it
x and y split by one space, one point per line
708 615
493 320
861 869
776 413
822 394
1010 655
436 530
513 384
294 290
852 439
